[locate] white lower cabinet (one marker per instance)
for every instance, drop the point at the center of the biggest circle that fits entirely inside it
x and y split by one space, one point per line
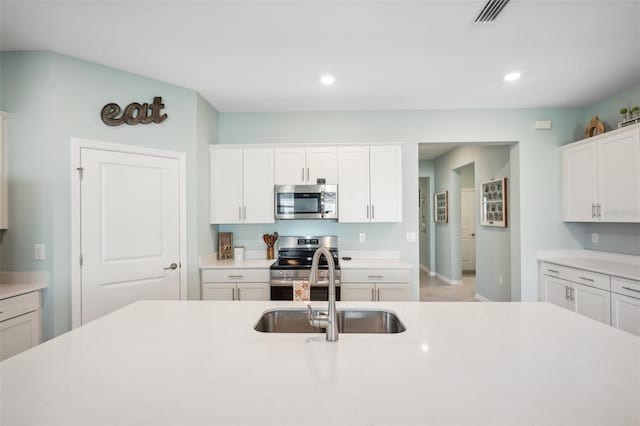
235 284
625 305
20 323
388 285
591 302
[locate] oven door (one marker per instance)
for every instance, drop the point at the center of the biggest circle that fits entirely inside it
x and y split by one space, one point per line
317 293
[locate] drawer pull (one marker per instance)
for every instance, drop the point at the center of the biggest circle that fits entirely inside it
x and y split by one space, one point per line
553 270
632 297
373 298
631 289
235 276
586 279
566 292
375 276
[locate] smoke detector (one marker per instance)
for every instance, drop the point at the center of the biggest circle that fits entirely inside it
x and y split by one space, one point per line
490 11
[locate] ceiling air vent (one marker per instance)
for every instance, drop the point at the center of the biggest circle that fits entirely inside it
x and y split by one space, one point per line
490 11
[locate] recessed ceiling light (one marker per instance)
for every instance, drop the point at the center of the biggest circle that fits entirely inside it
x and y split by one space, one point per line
513 76
327 80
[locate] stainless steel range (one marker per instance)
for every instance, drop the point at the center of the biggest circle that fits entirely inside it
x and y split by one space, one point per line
294 263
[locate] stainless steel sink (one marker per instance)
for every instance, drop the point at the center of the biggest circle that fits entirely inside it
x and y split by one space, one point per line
349 321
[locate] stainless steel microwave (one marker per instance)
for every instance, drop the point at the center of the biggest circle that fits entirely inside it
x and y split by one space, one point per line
306 201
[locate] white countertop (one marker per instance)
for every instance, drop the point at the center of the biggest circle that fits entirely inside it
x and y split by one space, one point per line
383 263
211 262
195 363
625 266
16 283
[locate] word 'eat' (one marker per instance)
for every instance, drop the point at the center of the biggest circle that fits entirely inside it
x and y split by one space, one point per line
134 113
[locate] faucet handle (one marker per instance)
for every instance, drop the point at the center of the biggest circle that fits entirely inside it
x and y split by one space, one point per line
318 319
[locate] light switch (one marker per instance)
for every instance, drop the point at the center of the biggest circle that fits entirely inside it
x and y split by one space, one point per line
38 251
363 237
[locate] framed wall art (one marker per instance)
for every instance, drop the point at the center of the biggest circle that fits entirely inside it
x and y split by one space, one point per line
493 202
441 207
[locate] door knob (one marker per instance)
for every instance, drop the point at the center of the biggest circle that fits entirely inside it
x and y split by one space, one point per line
172 266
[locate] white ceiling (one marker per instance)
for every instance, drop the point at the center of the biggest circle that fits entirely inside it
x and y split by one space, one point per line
386 55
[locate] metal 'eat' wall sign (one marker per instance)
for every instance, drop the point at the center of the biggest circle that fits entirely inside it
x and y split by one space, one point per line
134 113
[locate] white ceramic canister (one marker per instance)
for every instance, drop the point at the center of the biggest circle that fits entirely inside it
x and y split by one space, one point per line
238 253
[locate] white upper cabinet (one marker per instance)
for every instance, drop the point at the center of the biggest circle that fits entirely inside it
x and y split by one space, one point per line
353 184
242 185
601 178
4 197
370 183
386 183
303 166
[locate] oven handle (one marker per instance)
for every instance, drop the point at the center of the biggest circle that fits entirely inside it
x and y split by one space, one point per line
289 283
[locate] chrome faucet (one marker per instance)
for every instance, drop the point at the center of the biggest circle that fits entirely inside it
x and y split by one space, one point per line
327 320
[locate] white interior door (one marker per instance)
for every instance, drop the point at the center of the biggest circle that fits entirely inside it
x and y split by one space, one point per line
468 229
130 230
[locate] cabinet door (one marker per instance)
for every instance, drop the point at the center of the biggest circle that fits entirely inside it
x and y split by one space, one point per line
579 182
322 162
386 183
625 313
19 334
290 166
619 177
357 292
258 174
353 184
392 292
218 291
226 186
592 302
254 291
555 291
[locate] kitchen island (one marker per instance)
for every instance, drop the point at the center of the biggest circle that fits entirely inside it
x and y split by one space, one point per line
201 362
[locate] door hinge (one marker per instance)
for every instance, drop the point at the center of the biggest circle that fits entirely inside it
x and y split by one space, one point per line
80 171
81 260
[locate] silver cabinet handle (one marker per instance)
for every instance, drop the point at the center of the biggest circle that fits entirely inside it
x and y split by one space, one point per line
303 174
566 292
378 295
593 210
367 211
238 292
631 289
573 293
233 293
375 276
373 214
373 298
307 174
599 210
244 212
172 266
586 279
239 213
553 270
235 276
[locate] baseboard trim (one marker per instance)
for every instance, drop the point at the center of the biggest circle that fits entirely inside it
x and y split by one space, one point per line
427 271
481 298
448 280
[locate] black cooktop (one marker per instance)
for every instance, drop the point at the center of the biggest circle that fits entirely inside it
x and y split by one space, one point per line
301 259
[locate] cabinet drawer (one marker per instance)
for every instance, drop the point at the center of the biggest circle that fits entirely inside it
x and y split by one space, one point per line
375 275
18 305
235 275
592 279
625 286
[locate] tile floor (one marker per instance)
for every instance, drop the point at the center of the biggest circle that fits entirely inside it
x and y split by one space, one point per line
433 289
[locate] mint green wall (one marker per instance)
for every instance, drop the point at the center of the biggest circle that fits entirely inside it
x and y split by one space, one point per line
426 170
539 167
54 98
614 237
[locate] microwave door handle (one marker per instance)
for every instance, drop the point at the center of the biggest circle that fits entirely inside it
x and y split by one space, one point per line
322 204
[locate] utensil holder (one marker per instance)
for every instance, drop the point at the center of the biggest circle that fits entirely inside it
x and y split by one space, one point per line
270 253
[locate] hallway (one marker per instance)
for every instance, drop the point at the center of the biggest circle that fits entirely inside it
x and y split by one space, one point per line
433 289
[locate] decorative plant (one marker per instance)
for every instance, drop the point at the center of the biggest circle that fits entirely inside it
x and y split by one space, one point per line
635 111
624 111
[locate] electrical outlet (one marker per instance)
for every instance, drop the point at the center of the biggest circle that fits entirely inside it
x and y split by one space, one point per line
38 251
500 280
411 237
363 237
594 238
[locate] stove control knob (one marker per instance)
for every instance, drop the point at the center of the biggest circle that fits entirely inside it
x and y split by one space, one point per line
281 273
290 273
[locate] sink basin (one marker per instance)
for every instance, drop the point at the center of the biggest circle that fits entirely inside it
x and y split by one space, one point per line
349 321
